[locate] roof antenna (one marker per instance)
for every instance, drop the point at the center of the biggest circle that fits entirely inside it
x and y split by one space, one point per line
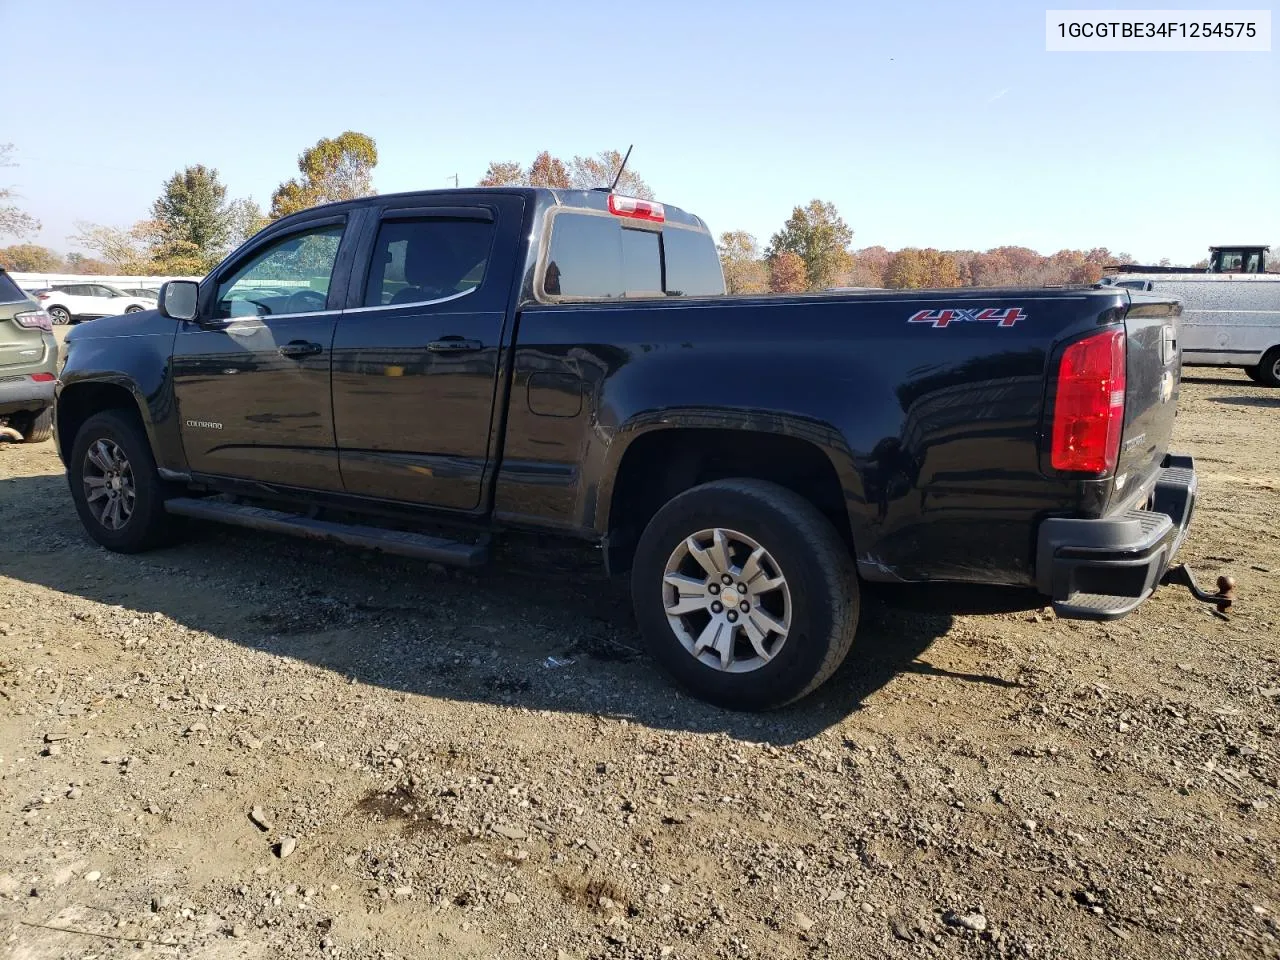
614 185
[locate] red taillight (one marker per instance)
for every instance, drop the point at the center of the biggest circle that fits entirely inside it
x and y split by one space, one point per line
637 209
1088 412
42 377
42 296
34 320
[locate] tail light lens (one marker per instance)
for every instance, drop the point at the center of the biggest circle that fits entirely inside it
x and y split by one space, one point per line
43 377
1088 412
42 296
34 320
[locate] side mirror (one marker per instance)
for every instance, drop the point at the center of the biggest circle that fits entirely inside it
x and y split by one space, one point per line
179 299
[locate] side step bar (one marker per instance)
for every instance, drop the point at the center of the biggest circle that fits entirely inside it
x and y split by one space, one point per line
437 549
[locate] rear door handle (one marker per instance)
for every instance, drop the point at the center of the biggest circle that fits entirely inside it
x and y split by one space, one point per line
300 348
454 345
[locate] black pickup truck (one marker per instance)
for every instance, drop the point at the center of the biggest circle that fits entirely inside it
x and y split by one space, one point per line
419 372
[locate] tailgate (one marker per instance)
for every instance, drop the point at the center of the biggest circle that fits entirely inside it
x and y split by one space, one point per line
21 348
1153 361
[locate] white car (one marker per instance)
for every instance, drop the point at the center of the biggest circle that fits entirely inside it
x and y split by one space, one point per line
71 302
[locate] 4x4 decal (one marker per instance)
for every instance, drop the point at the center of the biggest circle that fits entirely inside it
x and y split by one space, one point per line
944 318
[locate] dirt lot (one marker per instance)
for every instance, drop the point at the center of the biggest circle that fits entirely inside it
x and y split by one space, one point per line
427 783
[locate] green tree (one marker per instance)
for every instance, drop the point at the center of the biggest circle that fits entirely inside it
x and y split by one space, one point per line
334 169
787 273
193 219
30 258
744 270
818 236
246 219
13 219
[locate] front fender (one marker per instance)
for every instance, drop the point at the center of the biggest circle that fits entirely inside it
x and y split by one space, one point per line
135 360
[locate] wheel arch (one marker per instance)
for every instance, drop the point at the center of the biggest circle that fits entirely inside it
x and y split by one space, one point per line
658 461
78 402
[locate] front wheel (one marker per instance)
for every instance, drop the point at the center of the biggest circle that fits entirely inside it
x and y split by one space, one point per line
116 488
1268 369
745 593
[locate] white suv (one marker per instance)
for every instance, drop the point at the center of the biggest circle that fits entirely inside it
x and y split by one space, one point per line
69 302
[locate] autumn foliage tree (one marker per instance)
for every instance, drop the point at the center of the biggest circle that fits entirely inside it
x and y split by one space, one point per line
744 270
819 237
338 168
30 258
915 268
580 173
787 273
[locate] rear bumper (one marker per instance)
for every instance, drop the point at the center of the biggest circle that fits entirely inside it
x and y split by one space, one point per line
22 394
1104 569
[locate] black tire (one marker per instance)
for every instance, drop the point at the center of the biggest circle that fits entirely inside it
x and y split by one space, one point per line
806 550
36 427
1253 373
148 525
60 316
1269 368
133 309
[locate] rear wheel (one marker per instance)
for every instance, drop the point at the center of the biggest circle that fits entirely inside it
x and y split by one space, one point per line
1269 368
745 593
116 487
60 316
133 309
34 427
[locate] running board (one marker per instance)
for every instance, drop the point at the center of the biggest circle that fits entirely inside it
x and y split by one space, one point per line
437 549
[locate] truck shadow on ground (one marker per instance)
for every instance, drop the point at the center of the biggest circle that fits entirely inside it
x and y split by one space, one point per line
1226 379
1248 401
542 628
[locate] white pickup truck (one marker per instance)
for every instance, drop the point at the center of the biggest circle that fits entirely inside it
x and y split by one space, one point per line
1230 310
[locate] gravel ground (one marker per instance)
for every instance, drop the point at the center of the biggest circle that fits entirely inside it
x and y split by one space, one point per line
256 747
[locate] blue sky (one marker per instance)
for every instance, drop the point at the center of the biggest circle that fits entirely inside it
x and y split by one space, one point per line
927 124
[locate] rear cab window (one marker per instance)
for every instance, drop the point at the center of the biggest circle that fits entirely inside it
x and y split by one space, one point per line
598 256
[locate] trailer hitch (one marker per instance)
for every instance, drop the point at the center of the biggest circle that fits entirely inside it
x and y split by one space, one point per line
1226 595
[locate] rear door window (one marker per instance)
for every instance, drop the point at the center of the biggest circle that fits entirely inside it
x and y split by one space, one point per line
425 260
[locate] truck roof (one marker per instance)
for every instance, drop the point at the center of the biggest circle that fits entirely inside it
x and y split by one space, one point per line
595 199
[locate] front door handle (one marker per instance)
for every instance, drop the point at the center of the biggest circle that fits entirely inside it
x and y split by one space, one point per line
300 348
454 344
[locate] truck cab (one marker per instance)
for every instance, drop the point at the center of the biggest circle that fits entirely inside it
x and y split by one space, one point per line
1238 259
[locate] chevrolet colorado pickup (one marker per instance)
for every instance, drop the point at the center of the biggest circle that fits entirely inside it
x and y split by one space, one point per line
418 373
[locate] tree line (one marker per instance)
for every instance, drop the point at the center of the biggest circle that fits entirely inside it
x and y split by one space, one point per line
192 225
813 251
